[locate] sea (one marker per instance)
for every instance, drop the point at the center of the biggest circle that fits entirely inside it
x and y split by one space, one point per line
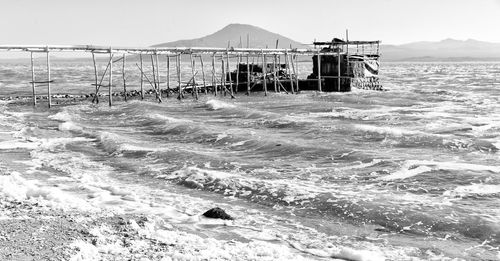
408 173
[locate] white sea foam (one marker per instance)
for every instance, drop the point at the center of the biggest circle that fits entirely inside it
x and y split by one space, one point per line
16 187
217 105
168 118
478 189
406 173
18 144
389 130
61 116
69 126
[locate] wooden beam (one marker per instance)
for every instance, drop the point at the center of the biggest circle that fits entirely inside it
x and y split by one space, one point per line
33 79
96 77
49 95
203 74
142 78
110 99
123 78
319 71
264 73
168 76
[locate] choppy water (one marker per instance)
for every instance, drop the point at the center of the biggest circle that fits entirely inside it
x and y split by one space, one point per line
410 172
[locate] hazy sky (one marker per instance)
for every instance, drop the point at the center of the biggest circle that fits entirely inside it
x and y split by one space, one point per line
147 22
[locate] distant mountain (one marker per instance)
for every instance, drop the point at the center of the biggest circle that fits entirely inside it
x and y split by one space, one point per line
259 38
445 50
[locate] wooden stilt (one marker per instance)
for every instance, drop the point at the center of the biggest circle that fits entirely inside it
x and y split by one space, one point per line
178 67
158 93
110 92
223 79
297 73
95 74
248 74
203 74
124 80
214 82
264 73
338 70
49 95
142 78
168 76
194 90
96 96
275 83
33 85
229 75
238 71
295 77
319 71
290 72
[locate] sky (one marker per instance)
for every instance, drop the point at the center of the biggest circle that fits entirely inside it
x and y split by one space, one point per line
147 22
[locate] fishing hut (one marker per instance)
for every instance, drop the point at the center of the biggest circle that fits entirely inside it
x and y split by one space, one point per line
337 66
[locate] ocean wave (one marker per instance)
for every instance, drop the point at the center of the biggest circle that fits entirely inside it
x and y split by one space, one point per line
218 105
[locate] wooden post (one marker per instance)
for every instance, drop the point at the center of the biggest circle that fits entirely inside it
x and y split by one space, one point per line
289 71
178 67
142 78
154 73
264 73
238 71
49 95
110 92
223 79
275 83
124 81
203 74
194 90
338 69
95 74
228 71
168 76
248 74
319 71
297 72
214 82
33 84
296 79
158 78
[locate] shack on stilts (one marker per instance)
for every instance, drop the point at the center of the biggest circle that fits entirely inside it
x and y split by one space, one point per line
337 66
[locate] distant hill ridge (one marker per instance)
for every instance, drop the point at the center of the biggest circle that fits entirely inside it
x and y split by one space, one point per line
232 33
445 50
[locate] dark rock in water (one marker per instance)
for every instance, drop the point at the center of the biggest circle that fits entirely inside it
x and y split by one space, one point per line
217 213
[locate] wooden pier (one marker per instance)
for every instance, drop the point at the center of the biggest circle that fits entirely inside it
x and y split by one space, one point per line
256 69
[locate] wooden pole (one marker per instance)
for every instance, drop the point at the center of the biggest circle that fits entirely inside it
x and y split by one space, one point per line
296 79
154 73
289 71
110 92
142 78
33 85
49 96
168 76
275 83
124 81
264 73
238 71
228 71
203 74
158 78
319 71
223 79
194 90
178 67
95 74
338 70
214 82
248 74
297 73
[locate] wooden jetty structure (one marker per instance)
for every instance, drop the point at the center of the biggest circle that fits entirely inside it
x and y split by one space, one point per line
337 67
